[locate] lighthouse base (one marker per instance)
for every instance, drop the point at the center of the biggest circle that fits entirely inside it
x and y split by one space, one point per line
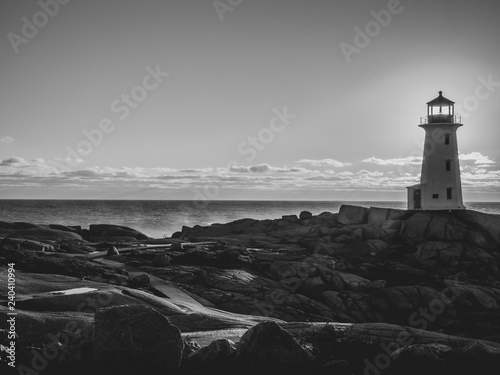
420 198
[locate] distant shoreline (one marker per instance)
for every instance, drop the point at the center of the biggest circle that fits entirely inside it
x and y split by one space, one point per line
160 218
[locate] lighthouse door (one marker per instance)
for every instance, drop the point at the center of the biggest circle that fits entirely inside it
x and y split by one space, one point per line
417 199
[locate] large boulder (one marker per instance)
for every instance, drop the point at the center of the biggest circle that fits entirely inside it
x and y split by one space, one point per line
432 226
221 230
290 218
269 348
44 338
473 358
439 253
218 357
487 223
132 339
16 225
214 230
382 230
457 255
418 359
239 225
476 357
352 215
64 228
377 214
305 215
328 218
40 233
99 231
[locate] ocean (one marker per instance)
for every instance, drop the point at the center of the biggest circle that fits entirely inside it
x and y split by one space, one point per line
160 218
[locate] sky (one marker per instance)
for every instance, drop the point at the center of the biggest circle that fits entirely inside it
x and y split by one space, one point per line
240 99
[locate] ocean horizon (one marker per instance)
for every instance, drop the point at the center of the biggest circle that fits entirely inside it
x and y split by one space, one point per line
162 218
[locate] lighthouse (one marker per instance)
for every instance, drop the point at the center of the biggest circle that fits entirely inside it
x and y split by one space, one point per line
440 187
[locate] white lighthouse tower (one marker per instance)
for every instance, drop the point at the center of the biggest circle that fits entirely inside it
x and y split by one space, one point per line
440 187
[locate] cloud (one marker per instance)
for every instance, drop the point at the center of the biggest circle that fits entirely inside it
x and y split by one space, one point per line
395 161
70 161
293 170
323 163
30 175
477 157
191 170
7 140
239 169
345 173
263 168
86 173
12 161
368 173
179 177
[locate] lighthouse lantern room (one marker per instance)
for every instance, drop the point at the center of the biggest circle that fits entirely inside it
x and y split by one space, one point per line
440 187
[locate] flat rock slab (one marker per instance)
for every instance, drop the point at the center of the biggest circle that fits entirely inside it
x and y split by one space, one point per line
28 284
161 286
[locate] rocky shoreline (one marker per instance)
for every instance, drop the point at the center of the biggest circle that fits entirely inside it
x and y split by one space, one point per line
361 291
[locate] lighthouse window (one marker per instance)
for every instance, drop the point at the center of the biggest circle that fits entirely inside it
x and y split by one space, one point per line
448 165
448 193
446 139
435 196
